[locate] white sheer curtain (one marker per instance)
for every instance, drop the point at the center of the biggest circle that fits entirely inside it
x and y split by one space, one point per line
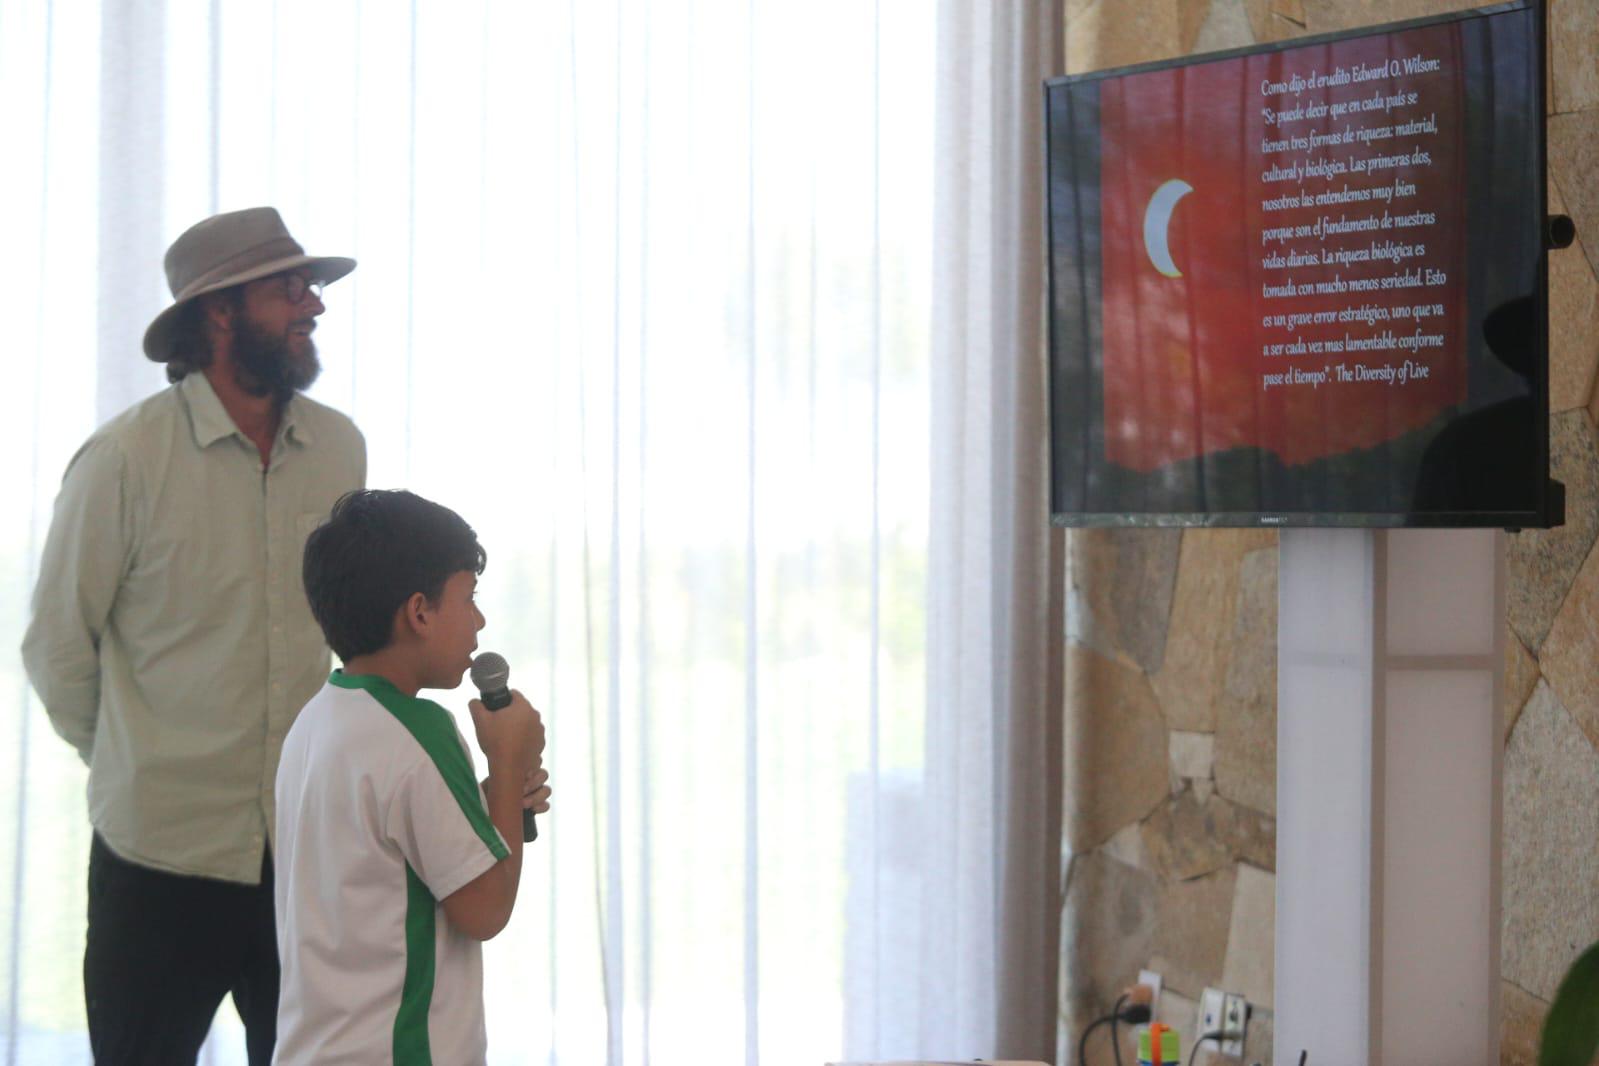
646 292
994 624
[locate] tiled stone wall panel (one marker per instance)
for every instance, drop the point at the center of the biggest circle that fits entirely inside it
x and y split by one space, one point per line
1551 846
1226 25
1191 835
1573 320
1250 939
1115 33
1199 640
1191 17
1124 587
1521 676
1115 750
1574 348
1127 845
1574 162
1520 1023
1275 20
1246 728
1193 755
1574 39
1568 661
1183 839
1190 934
1106 939
1541 563
1257 1043
1325 16
1251 836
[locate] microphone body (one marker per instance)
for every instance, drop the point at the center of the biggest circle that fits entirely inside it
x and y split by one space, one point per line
492 675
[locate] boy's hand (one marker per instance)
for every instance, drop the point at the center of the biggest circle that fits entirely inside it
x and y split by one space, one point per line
536 791
512 738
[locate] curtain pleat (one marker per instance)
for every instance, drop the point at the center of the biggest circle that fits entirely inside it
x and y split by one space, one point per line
994 661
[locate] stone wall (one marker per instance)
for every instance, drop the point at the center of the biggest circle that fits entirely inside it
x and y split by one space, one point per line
1171 671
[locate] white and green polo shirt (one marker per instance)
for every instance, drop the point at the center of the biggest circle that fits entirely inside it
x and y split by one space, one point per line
379 817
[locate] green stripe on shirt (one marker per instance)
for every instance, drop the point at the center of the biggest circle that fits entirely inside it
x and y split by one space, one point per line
432 728
411 1047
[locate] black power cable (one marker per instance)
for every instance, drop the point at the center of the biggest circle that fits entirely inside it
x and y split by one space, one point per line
1137 1014
1082 1042
1115 1040
1217 1035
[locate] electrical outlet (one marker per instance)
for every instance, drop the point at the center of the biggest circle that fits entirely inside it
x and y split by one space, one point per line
1224 1012
1152 979
1235 1020
1210 1004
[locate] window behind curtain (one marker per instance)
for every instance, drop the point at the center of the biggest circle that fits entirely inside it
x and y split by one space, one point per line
644 294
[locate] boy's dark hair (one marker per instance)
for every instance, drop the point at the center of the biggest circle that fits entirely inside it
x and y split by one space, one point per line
376 550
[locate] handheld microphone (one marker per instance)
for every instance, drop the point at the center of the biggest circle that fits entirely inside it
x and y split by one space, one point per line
492 676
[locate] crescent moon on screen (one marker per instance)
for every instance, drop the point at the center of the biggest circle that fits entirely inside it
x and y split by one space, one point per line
1157 225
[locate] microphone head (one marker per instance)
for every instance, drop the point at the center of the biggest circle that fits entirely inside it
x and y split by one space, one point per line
490 672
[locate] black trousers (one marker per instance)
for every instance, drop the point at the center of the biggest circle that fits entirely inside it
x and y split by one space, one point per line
163 949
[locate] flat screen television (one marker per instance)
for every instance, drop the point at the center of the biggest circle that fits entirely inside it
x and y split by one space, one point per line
1305 284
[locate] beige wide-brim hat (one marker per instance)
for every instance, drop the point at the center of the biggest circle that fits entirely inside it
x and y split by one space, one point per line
230 249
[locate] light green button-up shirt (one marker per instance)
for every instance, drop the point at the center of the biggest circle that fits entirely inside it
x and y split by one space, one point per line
171 641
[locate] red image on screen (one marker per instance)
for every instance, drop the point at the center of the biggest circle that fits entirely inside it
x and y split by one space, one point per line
1282 251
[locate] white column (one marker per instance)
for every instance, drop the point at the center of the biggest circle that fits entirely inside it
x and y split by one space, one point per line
1389 652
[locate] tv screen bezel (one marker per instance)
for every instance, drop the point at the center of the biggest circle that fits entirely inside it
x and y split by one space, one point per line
1549 508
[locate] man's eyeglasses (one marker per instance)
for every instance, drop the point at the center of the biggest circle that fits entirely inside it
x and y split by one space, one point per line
295 286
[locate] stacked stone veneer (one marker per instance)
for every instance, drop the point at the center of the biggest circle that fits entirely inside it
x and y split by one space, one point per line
1171 665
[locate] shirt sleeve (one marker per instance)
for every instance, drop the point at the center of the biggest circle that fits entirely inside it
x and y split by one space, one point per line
85 560
440 823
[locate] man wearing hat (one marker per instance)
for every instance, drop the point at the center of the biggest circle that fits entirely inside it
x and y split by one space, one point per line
171 642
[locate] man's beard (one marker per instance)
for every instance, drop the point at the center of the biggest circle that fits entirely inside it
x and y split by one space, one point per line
265 364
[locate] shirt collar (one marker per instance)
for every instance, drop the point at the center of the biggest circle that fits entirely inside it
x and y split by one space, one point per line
294 426
373 683
381 689
210 421
207 416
